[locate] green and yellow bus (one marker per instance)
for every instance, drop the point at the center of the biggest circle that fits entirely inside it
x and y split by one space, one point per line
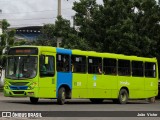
49 72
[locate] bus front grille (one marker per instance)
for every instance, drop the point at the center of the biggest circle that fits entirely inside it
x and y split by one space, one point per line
18 92
19 83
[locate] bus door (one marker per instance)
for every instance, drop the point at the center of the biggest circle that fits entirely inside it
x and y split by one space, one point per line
47 80
63 66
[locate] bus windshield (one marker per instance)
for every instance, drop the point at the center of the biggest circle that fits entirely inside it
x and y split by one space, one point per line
21 67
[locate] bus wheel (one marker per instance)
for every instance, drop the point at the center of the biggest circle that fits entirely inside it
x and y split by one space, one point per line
61 96
33 100
152 100
123 96
94 100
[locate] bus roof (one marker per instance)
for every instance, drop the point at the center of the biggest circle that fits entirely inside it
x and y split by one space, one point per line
92 53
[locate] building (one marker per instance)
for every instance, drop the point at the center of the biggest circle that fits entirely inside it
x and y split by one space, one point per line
28 33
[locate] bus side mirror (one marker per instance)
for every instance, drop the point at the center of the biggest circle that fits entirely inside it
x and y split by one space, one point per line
46 60
43 59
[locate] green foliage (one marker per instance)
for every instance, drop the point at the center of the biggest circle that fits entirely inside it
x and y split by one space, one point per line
129 27
120 26
61 28
48 36
7 35
21 42
5 25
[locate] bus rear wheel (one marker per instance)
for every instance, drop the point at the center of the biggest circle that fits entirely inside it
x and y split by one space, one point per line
61 96
152 100
96 100
123 96
33 100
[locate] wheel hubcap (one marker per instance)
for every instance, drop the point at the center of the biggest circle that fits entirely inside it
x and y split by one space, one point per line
63 95
123 97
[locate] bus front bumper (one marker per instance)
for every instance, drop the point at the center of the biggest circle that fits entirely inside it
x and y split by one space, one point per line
19 93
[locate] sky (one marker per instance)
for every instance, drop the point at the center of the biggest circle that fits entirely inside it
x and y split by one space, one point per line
21 13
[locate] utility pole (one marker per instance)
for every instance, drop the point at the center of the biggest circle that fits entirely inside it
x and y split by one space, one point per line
0 26
59 8
59 38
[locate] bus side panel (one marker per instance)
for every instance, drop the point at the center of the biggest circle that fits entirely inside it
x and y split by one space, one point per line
136 87
79 88
151 87
64 79
96 86
110 85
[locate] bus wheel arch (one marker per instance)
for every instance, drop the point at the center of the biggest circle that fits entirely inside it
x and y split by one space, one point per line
122 96
64 92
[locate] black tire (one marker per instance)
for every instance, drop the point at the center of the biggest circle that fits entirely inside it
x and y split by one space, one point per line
96 100
61 96
123 96
152 100
33 100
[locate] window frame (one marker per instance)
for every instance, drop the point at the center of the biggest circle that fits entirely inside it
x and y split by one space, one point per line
81 64
129 68
138 68
63 64
155 71
95 66
111 66
40 64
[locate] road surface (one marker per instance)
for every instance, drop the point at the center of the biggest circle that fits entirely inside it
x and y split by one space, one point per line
23 104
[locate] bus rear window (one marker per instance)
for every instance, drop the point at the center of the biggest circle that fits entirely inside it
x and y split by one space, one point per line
150 69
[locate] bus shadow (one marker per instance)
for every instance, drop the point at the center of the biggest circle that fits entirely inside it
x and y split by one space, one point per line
72 102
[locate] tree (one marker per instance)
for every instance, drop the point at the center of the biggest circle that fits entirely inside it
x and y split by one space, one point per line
61 28
8 35
120 26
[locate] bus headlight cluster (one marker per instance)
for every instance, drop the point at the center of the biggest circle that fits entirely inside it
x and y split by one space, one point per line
32 85
6 85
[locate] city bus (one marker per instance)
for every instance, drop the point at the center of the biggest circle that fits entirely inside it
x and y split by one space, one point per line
43 72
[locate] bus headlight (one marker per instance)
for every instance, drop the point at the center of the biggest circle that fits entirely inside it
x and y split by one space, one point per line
6 85
32 85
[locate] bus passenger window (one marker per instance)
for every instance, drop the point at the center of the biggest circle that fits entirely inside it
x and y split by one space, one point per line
137 69
109 66
47 68
63 63
95 65
124 68
150 69
78 64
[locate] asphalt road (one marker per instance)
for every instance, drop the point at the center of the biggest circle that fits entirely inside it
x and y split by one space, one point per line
23 104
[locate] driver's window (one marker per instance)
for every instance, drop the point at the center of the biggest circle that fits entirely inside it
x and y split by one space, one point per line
47 66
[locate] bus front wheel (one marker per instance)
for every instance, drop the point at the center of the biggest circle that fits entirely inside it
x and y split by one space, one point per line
123 96
61 96
33 100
